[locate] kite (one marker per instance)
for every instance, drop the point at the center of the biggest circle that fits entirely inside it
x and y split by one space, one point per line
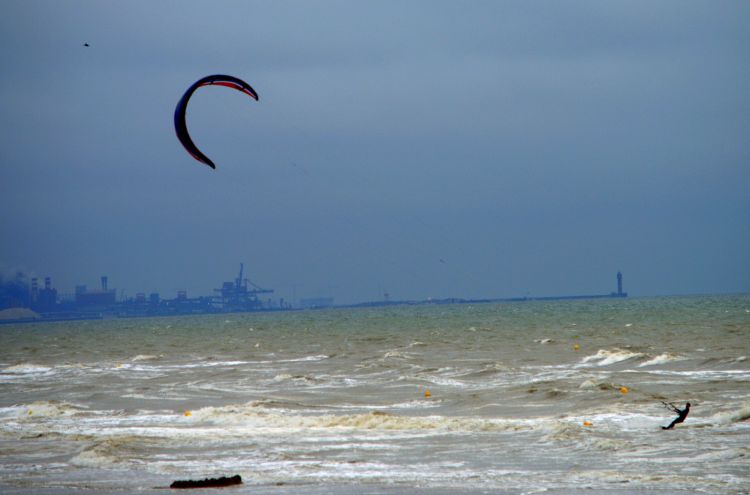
180 126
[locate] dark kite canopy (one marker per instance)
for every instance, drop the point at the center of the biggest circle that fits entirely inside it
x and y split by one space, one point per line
180 126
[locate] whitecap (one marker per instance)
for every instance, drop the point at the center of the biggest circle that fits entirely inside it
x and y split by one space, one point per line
605 357
736 416
251 415
144 357
43 409
662 359
27 368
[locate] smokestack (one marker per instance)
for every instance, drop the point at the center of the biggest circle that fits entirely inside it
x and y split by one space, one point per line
104 283
34 285
619 283
47 283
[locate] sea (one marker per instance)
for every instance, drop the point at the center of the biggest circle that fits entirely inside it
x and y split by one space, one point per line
556 397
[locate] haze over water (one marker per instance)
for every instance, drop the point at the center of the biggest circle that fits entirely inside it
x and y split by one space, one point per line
335 401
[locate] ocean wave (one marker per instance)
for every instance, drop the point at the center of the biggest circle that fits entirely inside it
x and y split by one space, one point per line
42 409
145 357
317 357
730 375
111 453
287 377
397 355
251 415
29 368
724 454
663 358
565 431
605 357
487 370
736 416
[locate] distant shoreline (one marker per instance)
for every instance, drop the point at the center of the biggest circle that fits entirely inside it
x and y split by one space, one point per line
105 314
60 317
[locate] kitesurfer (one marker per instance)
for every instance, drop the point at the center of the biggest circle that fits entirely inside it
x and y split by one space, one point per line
681 415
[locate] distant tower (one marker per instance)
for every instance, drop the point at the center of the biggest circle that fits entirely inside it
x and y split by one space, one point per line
34 292
619 284
104 283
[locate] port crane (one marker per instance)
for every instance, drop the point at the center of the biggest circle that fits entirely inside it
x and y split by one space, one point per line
240 295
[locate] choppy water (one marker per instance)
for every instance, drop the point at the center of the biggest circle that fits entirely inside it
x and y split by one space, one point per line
335 401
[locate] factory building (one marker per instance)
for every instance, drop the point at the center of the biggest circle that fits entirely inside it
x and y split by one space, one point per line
103 297
45 299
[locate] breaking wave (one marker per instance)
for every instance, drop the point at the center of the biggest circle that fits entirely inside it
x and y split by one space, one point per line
741 414
27 368
251 415
663 358
111 453
145 357
605 357
42 409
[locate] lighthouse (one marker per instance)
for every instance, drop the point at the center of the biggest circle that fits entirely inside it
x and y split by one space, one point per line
619 292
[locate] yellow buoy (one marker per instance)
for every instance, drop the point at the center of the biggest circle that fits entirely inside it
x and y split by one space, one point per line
576 347
427 393
29 412
623 390
188 413
587 423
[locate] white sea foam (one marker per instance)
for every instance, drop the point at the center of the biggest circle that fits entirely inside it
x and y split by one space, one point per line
736 416
605 357
250 415
664 358
317 357
95 458
588 384
144 357
27 368
109 453
41 409
285 377
734 375
413 404
396 354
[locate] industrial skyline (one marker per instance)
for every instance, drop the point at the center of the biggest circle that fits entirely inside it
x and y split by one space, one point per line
239 295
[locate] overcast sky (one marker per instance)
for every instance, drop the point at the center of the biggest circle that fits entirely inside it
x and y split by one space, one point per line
424 149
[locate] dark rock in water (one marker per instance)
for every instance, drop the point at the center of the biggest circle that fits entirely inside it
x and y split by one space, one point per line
208 482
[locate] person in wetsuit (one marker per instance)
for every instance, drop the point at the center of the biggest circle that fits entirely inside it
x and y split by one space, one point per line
681 415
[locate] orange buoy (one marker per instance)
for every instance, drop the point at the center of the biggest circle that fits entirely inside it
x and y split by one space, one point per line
587 423
624 390
427 393
188 413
